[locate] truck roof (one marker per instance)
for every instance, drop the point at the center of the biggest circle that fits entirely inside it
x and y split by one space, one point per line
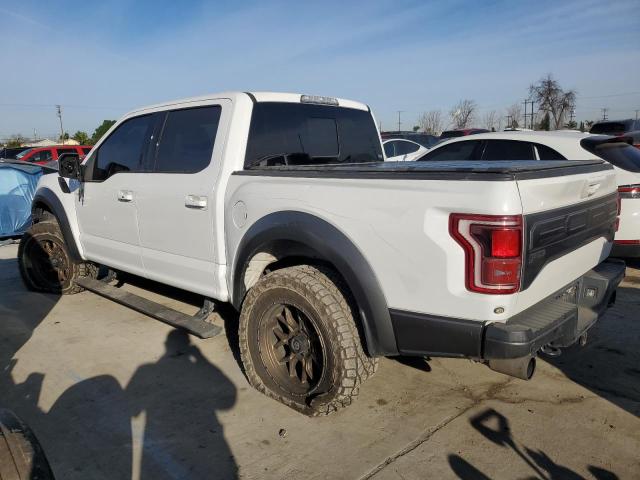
253 95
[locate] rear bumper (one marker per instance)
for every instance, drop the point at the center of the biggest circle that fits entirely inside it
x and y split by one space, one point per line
558 320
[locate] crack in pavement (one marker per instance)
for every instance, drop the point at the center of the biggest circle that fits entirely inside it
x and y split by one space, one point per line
475 401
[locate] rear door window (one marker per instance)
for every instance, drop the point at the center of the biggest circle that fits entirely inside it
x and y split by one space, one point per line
187 139
307 134
547 153
508 150
389 149
42 156
464 150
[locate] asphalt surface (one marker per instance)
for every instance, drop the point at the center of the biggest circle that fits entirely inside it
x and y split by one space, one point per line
112 394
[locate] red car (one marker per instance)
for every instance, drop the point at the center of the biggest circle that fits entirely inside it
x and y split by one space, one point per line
42 155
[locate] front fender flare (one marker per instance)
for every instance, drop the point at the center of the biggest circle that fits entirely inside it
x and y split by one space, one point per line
44 196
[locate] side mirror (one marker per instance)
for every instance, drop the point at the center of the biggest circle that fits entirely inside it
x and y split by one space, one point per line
69 166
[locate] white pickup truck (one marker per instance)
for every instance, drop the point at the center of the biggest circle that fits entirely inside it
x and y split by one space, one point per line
282 205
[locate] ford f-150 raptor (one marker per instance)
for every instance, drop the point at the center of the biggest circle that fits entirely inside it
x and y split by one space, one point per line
283 206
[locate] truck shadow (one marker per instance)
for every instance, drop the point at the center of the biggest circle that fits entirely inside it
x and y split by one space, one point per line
165 416
609 364
495 427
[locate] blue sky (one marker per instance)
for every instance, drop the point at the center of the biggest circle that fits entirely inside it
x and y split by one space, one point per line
99 61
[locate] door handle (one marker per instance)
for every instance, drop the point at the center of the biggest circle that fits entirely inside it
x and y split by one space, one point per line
125 195
196 201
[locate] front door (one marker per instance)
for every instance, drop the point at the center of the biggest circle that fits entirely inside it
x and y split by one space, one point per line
107 202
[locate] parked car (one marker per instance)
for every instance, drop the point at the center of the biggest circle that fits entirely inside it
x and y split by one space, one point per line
563 145
42 155
424 139
399 150
461 132
628 128
283 206
9 153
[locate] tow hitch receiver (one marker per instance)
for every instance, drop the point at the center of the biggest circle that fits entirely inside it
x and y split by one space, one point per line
196 325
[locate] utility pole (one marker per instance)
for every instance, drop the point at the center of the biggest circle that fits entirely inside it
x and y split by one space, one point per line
526 114
604 114
509 124
59 112
399 122
532 124
572 114
637 114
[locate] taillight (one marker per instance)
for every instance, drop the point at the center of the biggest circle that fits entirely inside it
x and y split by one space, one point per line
493 251
629 191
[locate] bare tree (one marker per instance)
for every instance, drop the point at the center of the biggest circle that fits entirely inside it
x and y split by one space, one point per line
551 98
431 122
462 113
492 121
514 113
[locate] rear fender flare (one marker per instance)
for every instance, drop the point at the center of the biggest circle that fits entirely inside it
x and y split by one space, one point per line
310 236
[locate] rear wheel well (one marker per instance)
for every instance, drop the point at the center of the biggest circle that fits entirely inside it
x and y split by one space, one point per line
41 212
286 253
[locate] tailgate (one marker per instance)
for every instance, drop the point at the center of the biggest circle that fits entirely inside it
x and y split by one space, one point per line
569 223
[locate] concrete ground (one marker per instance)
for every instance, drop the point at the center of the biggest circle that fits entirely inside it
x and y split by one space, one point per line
112 394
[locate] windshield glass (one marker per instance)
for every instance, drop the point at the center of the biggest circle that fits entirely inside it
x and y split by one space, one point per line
22 154
622 155
305 134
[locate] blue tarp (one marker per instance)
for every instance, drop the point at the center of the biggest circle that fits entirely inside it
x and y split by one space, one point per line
17 187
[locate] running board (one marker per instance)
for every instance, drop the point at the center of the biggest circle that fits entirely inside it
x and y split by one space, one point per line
194 325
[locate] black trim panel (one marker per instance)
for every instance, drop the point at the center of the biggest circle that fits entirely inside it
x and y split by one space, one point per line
46 197
463 170
554 233
298 234
628 250
422 334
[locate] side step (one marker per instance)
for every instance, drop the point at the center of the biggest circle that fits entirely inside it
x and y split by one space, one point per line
194 325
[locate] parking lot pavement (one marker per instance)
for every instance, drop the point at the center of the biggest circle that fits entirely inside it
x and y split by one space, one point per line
113 394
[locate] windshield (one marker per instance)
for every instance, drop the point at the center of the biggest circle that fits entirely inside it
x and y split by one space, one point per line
22 154
305 134
622 155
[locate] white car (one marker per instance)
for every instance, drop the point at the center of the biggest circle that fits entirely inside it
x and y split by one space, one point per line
562 145
400 150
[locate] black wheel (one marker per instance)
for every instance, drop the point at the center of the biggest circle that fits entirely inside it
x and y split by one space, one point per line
299 342
21 456
45 263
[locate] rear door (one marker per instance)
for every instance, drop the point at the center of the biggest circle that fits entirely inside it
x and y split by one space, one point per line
176 201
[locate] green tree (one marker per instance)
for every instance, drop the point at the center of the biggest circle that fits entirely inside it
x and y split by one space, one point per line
571 125
64 137
545 123
552 99
416 128
101 130
581 127
81 137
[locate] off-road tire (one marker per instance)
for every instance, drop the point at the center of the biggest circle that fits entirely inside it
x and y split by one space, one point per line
315 290
47 230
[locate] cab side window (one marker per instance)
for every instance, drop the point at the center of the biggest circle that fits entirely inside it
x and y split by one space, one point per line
404 148
187 140
123 150
42 156
389 149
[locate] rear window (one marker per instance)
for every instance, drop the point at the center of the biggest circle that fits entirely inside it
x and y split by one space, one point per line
622 155
452 134
611 127
302 134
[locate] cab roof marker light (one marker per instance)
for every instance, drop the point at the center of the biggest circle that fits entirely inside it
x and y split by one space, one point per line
318 99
